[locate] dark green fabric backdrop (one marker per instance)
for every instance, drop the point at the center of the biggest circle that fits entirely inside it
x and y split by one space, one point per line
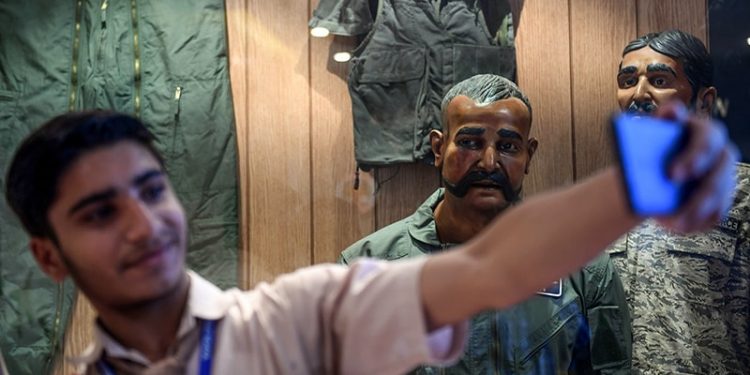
165 61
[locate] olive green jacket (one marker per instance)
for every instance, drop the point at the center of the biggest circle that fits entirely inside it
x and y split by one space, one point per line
411 53
165 61
583 327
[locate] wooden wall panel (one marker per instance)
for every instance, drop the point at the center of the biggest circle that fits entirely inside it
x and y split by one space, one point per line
238 64
687 15
400 189
543 58
341 214
277 144
294 131
78 335
599 31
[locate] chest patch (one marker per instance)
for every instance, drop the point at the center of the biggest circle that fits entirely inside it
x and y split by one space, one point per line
553 290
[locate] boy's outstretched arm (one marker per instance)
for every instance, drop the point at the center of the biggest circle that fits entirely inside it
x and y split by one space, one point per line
553 234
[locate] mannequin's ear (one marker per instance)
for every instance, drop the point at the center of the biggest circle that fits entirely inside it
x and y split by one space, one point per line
533 143
48 258
437 142
704 101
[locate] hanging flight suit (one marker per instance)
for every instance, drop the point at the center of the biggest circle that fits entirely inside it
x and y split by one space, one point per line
413 51
164 61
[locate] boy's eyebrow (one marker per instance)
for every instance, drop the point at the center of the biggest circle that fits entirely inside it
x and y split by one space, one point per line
147 175
92 199
110 193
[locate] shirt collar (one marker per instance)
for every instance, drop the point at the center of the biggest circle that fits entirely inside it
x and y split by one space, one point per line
205 302
422 226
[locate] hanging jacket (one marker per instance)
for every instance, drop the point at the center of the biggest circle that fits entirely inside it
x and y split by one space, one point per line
413 51
164 61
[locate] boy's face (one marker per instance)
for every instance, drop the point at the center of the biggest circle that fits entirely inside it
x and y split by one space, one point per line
121 232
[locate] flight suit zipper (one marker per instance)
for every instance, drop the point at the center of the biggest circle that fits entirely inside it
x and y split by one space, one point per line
136 59
74 66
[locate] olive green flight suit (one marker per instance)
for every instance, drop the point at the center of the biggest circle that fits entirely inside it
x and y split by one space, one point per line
581 328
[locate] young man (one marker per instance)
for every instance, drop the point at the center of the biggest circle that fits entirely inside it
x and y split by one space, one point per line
92 193
580 323
689 296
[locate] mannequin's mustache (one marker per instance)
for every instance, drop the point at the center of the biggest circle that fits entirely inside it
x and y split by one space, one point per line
461 188
643 107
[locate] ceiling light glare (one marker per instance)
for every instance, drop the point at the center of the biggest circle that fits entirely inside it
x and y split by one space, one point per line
319 32
342 56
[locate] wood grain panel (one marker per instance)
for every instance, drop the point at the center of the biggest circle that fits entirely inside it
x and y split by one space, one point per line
599 31
278 135
687 15
238 65
78 335
543 58
400 189
341 215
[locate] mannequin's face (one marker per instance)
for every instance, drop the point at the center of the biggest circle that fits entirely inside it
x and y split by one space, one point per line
648 79
492 139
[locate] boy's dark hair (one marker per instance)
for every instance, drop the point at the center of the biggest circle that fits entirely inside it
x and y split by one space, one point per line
46 154
681 46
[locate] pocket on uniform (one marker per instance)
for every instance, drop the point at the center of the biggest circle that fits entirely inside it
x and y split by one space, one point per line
387 87
470 60
567 321
700 266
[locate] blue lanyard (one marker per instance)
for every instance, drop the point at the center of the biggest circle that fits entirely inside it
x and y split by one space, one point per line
205 356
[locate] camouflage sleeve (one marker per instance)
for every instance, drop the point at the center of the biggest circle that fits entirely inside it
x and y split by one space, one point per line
609 318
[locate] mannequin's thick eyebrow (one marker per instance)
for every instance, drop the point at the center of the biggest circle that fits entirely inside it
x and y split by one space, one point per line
661 67
505 133
627 70
470 131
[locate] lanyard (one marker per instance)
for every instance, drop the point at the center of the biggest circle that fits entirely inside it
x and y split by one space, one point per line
205 356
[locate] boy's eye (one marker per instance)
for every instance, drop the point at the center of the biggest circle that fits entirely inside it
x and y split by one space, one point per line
153 193
99 214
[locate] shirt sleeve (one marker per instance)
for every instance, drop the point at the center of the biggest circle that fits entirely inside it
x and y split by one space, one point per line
343 17
370 318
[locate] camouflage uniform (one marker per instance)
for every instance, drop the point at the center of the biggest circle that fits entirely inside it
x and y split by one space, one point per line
688 295
578 326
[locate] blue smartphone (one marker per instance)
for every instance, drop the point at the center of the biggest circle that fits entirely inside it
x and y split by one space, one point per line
645 147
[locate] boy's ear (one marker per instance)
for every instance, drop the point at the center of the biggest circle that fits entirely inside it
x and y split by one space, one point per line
48 257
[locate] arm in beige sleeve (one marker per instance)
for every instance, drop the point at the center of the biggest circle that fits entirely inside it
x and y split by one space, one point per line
534 243
553 234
